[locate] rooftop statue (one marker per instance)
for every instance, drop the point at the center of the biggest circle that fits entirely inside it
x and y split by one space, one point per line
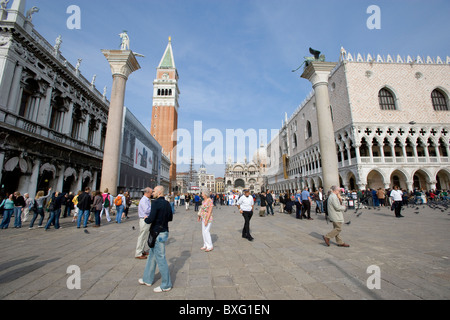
30 13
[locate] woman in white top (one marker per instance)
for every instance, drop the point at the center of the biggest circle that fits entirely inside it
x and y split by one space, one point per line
397 201
245 205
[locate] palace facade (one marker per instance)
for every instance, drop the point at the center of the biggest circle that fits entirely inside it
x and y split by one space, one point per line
391 118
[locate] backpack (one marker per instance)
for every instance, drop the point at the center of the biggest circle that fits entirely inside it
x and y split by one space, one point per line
118 201
107 203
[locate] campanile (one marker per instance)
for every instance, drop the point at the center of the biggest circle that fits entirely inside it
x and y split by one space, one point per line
165 109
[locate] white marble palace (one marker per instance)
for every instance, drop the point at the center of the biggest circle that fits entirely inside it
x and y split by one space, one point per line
391 117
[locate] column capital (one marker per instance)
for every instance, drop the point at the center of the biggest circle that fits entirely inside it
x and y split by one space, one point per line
122 62
318 72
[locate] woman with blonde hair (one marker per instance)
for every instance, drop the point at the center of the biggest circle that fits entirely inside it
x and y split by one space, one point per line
38 207
205 216
75 202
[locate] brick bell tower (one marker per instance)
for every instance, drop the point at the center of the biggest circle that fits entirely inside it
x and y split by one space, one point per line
165 109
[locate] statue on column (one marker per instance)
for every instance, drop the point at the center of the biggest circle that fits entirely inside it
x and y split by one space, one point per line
125 40
316 57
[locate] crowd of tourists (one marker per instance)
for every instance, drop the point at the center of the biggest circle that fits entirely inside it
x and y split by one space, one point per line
83 207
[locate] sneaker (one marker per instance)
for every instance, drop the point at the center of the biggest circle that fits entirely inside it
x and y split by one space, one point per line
158 289
143 283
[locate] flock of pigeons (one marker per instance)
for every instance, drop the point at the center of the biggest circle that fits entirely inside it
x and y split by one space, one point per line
442 205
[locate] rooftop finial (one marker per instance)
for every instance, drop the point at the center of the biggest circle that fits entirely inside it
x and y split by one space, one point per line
170 39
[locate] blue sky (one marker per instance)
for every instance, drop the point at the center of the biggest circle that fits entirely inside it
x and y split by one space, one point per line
235 57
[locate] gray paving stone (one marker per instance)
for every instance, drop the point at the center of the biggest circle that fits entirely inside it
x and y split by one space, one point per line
287 259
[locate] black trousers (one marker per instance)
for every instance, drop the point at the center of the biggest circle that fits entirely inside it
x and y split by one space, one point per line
398 208
306 206
298 209
247 217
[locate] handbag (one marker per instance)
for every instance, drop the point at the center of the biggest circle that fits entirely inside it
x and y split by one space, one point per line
152 237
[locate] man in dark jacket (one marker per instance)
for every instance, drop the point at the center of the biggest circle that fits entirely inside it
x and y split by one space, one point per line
160 215
270 200
55 210
84 206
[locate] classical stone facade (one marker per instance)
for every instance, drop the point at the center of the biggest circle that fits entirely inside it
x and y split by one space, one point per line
206 180
52 119
391 120
246 175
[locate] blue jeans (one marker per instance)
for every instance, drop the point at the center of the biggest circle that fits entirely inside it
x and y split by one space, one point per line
119 212
17 216
7 214
83 214
157 256
319 204
269 208
39 211
54 218
97 217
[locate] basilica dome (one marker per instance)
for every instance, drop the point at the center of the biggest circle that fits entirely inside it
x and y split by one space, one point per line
260 156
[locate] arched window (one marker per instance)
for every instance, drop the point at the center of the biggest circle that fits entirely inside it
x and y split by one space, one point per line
386 100
308 130
294 140
439 101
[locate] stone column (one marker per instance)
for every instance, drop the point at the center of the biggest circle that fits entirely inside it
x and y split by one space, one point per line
13 99
60 181
32 190
123 63
318 73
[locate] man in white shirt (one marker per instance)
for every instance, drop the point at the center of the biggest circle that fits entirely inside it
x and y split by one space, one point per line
397 201
245 205
144 209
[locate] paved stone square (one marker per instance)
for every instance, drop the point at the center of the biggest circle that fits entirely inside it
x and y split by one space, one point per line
287 260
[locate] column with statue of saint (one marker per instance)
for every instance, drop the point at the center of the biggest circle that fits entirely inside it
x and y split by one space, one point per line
122 62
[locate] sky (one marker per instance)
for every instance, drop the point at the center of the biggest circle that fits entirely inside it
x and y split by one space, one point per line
235 57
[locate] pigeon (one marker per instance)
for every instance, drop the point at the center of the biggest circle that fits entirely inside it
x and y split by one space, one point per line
359 214
348 223
417 212
133 228
417 208
85 231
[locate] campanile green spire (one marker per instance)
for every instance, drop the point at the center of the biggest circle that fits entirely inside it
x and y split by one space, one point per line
167 61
